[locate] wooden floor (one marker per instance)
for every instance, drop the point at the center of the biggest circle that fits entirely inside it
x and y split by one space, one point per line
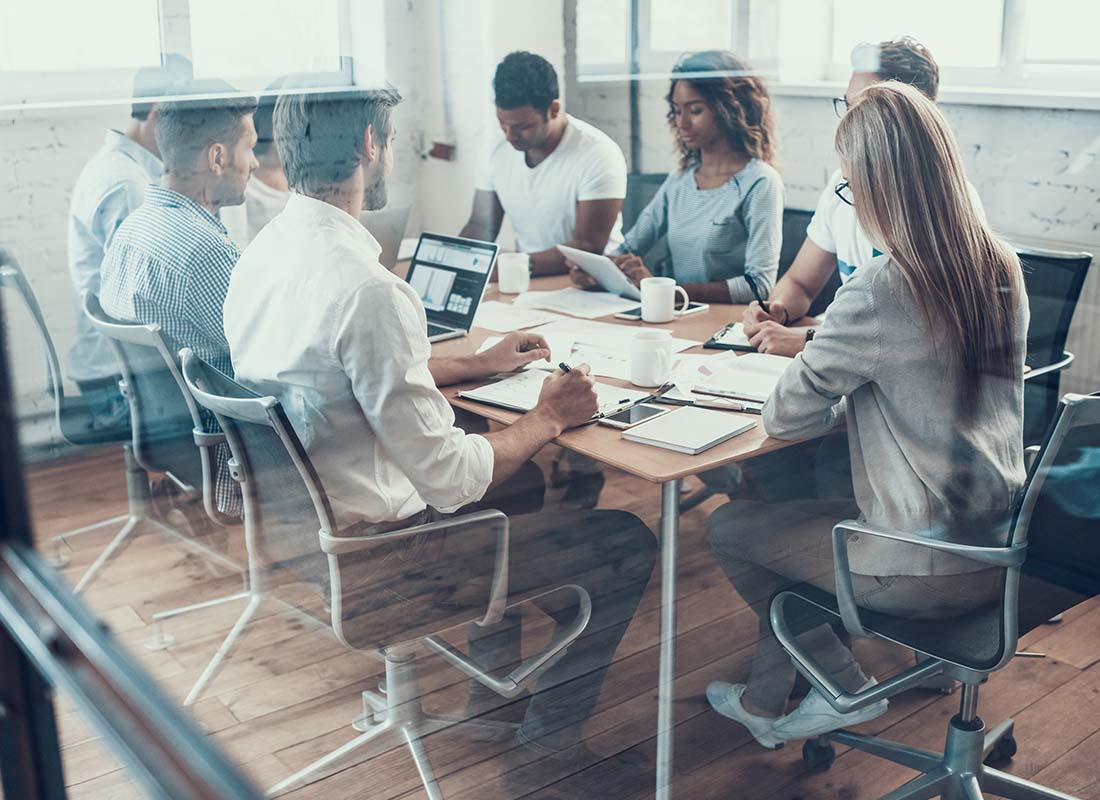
289 692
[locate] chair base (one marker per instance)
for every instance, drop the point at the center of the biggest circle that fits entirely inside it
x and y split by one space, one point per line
393 718
956 774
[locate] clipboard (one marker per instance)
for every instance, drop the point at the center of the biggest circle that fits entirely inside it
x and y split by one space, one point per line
731 337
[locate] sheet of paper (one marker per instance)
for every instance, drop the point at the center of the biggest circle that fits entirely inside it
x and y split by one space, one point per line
734 335
689 370
506 317
603 335
751 377
577 302
520 392
561 349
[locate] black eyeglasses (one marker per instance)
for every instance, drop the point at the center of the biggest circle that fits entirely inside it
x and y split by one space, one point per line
840 106
843 191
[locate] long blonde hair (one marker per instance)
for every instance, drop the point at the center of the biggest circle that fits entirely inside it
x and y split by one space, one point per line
911 197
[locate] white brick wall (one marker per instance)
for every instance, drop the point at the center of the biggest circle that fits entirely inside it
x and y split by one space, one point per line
1037 170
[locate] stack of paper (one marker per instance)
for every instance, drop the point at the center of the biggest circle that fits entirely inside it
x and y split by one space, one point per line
504 317
520 392
601 345
577 302
748 377
688 430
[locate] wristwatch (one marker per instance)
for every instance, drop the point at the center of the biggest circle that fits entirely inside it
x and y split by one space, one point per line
810 334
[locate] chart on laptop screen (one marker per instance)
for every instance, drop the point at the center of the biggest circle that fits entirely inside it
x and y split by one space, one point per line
449 276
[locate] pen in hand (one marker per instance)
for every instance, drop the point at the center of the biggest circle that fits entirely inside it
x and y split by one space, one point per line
563 367
756 293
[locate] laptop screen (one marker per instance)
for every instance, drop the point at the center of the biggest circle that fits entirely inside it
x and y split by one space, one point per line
450 275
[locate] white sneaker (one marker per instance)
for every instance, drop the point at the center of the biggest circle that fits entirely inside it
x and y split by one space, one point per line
814 716
725 698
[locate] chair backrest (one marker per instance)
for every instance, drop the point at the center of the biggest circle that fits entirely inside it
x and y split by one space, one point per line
12 277
284 501
795 223
640 189
163 415
1053 280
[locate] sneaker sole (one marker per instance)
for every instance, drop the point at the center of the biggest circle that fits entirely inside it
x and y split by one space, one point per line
867 715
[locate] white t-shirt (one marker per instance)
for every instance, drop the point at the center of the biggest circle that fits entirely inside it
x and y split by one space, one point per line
541 201
834 228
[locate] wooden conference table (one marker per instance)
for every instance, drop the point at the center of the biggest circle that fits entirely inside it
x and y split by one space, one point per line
654 464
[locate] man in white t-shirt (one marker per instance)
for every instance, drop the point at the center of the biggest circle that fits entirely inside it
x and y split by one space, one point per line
559 180
835 242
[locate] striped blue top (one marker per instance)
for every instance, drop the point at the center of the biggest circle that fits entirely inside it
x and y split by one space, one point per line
718 234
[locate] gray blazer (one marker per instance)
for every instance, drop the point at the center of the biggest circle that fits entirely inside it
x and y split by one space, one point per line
915 466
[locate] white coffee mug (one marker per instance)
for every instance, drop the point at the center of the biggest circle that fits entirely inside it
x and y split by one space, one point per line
659 299
650 357
513 272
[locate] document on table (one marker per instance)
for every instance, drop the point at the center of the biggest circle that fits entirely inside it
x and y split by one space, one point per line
577 302
748 377
561 349
506 317
731 337
520 392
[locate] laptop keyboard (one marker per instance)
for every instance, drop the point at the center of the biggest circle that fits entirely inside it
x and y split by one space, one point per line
436 330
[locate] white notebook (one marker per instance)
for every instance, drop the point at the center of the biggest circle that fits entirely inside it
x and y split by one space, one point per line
520 392
689 430
752 376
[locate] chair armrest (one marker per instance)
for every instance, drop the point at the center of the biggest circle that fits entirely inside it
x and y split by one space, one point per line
532 667
1031 452
206 439
1057 366
495 520
845 593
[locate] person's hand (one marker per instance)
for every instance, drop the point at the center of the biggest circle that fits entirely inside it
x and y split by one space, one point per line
514 351
580 278
778 340
755 315
569 397
635 269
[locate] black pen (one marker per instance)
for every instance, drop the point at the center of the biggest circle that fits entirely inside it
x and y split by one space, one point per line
756 293
563 366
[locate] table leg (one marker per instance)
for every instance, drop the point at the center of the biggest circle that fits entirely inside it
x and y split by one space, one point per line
670 524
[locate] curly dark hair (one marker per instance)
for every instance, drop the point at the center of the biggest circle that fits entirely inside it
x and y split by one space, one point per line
739 100
525 79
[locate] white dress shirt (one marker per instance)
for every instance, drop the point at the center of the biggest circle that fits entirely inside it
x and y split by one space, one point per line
315 320
111 185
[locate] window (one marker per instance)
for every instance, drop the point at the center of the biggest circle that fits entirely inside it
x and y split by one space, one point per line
251 42
603 33
959 34
678 27
1062 32
58 35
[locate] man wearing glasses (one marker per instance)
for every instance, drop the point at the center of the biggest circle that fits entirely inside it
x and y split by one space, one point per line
834 239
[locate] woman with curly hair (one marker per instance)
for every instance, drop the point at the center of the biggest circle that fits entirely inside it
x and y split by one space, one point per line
722 211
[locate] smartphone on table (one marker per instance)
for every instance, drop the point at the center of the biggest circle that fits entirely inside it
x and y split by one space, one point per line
636 313
629 417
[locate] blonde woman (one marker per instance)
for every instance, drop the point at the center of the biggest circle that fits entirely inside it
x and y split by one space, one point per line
923 352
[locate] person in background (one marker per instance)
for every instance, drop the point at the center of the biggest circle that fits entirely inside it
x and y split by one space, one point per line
722 211
314 319
922 351
111 185
835 242
558 179
267 191
170 261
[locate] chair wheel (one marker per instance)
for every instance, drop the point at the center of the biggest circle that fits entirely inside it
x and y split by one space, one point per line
1002 751
818 755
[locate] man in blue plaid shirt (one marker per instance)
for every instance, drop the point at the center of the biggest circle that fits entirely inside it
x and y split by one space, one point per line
170 261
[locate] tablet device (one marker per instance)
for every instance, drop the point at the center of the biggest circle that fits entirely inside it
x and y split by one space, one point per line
603 269
636 313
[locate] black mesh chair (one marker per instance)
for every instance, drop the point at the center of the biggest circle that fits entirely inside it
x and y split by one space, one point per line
77 426
1057 519
795 223
1054 280
362 573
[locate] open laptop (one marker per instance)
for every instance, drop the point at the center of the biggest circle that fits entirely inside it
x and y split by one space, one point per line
450 274
387 226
